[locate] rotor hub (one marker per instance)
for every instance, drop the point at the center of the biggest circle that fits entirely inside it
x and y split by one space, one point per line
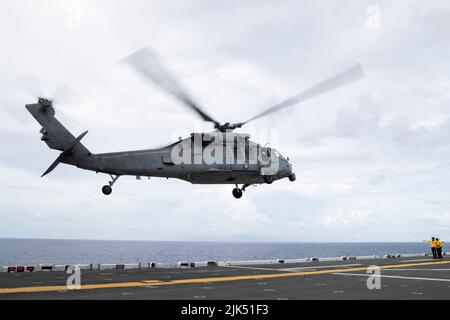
227 126
46 103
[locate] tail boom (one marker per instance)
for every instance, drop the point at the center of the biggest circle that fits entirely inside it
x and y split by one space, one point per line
56 136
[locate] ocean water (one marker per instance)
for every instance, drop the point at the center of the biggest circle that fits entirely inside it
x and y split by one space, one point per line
34 251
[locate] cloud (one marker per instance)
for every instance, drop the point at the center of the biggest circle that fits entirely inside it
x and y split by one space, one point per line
371 158
345 219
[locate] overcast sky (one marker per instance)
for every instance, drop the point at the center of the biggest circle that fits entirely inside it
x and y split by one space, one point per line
372 159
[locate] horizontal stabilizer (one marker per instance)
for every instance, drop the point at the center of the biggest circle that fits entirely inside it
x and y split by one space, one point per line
67 150
53 166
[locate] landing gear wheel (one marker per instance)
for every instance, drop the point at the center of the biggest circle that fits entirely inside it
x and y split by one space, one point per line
106 190
268 179
237 193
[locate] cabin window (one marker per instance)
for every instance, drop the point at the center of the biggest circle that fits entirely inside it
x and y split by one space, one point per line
206 142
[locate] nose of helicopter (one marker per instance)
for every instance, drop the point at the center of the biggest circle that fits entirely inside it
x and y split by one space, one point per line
286 170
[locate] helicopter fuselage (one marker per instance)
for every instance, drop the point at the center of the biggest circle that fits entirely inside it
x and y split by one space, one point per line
241 161
219 157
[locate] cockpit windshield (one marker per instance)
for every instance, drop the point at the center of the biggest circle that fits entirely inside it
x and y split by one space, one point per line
277 154
270 152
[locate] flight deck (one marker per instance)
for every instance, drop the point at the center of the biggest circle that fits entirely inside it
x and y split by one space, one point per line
400 278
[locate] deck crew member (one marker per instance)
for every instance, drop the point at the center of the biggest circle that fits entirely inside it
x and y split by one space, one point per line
432 243
438 244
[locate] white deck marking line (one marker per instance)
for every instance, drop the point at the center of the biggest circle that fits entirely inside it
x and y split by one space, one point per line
417 260
296 269
254 268
392 277
322 267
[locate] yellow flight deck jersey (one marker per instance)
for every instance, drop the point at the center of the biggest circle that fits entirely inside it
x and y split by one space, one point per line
438 244
432 243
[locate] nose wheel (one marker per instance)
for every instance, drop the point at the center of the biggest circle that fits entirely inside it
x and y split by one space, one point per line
107 190
268 179
237 193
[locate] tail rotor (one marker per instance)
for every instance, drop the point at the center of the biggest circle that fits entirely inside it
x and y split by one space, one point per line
27 89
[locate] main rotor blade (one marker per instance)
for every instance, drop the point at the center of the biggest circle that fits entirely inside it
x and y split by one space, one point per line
63 94
145 63
30 85
350 75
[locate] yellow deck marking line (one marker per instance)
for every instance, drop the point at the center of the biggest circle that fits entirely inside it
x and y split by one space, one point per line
203 280
151 281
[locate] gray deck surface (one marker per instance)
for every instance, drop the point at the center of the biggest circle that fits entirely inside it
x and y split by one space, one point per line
401 278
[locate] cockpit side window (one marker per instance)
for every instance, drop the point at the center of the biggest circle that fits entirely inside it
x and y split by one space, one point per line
264 154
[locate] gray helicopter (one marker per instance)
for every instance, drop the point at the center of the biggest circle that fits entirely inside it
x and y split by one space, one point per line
218 157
